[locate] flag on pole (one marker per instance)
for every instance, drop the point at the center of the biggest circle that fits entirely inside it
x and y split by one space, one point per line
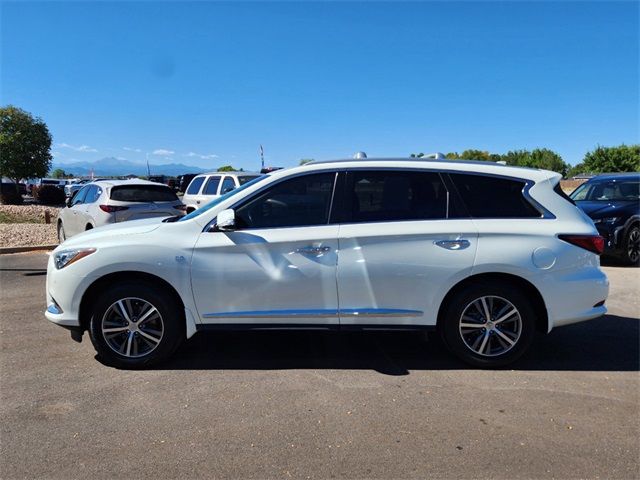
262 155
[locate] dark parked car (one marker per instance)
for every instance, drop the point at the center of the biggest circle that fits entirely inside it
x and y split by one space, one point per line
183 181
613 203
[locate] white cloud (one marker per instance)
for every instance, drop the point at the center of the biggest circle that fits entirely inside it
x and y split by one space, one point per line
80 148
203 157
129 149
163 152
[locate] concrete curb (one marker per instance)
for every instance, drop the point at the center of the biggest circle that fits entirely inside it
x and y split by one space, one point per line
4 250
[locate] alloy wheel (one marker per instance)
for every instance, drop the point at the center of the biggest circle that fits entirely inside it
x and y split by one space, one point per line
490 326
633 246
132 327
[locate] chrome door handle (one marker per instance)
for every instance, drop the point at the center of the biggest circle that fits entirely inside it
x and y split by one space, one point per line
312 250
459 244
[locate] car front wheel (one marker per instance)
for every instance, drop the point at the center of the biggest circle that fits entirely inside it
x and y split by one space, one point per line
632 246
489 324
136 325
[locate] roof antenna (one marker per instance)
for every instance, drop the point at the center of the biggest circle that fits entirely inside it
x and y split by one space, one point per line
360 155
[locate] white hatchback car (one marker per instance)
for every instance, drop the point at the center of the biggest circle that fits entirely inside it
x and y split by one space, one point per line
209 186
113 201
485 254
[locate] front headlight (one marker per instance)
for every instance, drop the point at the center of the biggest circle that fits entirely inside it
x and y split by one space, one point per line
66 257
607 220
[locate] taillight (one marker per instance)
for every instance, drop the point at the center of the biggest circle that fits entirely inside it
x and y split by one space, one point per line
180 207
112 208
593 243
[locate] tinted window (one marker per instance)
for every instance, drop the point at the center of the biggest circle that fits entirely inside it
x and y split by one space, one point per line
246 178
194 186
78 198
93 194
608 190
296 202
211 188
381 196
143 193
493 197
227 185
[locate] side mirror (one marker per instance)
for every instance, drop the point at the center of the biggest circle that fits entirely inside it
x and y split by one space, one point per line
67 202
226 220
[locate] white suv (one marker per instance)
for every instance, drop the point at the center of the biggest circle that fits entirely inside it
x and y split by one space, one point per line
485 254
208 186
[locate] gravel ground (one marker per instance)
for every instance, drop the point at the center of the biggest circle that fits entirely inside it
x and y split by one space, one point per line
27 234
23 225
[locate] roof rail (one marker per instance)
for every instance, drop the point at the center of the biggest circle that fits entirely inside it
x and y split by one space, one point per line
435 156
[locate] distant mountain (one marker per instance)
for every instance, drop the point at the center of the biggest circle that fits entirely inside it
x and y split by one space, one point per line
112 167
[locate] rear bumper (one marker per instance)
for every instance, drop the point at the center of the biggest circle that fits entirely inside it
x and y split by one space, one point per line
575 295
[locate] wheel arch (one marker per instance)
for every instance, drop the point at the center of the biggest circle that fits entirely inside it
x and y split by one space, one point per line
91 294
540 308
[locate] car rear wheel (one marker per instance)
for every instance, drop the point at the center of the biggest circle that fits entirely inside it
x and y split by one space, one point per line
62 236
632 246
489 324
136 325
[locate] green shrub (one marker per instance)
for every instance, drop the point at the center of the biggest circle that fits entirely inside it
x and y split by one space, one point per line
8 196
48 195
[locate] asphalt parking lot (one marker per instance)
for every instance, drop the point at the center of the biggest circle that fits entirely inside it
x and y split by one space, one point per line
315 405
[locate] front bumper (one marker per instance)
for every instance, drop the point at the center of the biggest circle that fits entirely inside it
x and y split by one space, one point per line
64 292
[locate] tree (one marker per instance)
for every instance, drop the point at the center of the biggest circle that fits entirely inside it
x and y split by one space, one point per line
59 173
25 145
475 155
304 161
538 158
227 168
623 158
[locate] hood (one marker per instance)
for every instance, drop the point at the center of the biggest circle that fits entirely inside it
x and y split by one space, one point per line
597 209
133 227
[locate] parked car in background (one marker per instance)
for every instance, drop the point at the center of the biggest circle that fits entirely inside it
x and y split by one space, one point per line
71 188
113 201
208 186
184 180
7 183
613 203
483 253
56 182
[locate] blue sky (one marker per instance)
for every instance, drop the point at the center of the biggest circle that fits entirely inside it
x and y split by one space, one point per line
206 83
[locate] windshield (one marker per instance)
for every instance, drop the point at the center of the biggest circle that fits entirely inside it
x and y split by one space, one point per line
608 190
221 199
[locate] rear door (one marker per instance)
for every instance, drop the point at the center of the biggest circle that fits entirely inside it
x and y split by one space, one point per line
399 244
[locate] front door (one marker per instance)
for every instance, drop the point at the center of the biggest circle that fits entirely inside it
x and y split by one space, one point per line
399 246
279 265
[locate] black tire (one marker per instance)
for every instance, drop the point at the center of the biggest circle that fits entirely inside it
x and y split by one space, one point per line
88 227
171 324
631 255
463 302
61 233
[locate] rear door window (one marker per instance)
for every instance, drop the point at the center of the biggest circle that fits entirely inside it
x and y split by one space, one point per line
211 188
143 193
93 194
78 198
384 196
194 186
487 196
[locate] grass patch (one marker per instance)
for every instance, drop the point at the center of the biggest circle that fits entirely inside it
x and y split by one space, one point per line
12 218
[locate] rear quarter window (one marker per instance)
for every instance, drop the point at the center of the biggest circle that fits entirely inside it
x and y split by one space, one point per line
143 193
493 197
194 186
